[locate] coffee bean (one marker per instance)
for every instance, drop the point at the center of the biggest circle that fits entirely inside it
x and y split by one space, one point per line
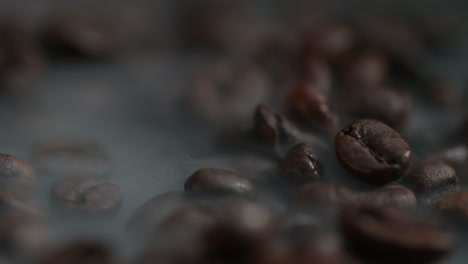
213 181
386 235
310 104
148 216
454 205
431 179
81 252
322 195
190 215
63 158
272 129
373 151
226 92
86 196
78 37
383 103
301 165
455 156
368 68
17 176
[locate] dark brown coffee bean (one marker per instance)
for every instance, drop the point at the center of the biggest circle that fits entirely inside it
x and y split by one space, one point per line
386 235
272 129
81 252
16 176
309 103
212 181
86 196
225 92
373 151
431 179
148 216
78 37
454 205
241 232
383 103
455 156
64 158
320 194
301 165
366 69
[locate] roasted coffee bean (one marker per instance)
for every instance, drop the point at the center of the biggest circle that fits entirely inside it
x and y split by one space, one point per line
241 232
383 103
388 236
16 176
367 68
455 156
272 129
81 252
147 217
320 194
78 37
213 181
373 151
86 196
225 92
309 103
64 158
431 179
301 165
454 205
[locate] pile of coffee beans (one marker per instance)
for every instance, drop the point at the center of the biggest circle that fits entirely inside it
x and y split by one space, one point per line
327 137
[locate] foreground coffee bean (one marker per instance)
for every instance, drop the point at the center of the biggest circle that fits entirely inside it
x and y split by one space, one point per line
241 232
454 205
214 182
78 37
301 165
431 180
383 103
322 195
309 103
63 158
81 252
389 236
16 176
148 216
373 151
86 196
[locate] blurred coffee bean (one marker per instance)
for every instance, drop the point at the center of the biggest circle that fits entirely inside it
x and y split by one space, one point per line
301 165
273 129
455 156
309 103
373 151
217 182
17 176
225 93
322 195
383 103
431 180
80 252
241 232
64 158
190 215
368 68
259 169
454 205
85 196
388 236
312 70
78 37
148 216
442 92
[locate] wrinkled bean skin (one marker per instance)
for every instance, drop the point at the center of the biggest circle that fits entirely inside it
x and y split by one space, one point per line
300 165
321 194
384 235
213 181
373 151
431 179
